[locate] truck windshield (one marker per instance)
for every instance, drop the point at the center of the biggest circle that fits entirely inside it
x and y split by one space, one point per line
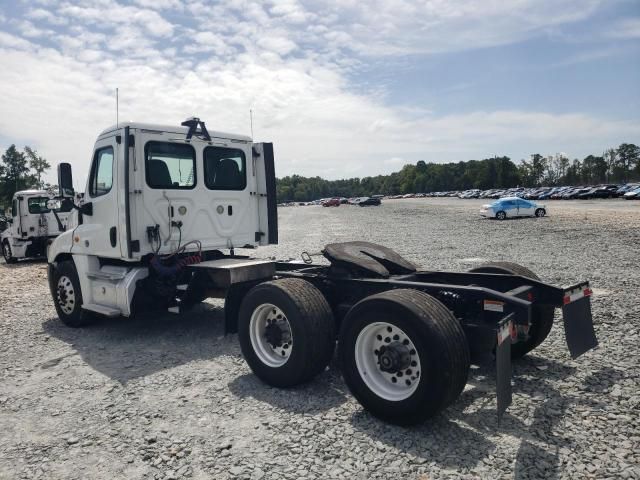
38 205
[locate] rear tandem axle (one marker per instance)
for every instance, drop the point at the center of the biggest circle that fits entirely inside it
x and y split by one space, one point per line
373 299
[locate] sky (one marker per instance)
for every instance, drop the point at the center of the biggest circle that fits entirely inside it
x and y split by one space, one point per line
342 88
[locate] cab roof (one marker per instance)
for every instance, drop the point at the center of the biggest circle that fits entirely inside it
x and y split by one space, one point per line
171 129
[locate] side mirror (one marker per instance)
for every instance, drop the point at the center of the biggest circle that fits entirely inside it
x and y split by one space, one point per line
54 204
65 180
9 220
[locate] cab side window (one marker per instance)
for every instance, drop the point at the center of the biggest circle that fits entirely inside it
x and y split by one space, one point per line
101 172
14 208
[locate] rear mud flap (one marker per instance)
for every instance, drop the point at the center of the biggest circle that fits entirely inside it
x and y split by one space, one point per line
503 364
578 323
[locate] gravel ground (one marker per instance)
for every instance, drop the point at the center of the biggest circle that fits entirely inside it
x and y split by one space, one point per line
171 397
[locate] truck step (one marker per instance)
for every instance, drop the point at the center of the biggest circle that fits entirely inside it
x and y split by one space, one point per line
102 310
112 274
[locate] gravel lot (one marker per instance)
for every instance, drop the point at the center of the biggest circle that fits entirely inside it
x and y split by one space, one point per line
171 397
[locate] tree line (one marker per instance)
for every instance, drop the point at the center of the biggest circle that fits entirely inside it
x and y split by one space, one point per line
615 165
21 170
24 169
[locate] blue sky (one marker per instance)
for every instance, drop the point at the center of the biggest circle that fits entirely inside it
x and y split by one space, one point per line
342 88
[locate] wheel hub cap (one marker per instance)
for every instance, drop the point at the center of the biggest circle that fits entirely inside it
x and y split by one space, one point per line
387 361
66 295
394 358
270 334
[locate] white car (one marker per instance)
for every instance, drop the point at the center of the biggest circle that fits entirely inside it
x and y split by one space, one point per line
633 194
513 207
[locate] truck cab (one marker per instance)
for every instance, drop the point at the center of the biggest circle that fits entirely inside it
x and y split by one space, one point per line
162 193
31 225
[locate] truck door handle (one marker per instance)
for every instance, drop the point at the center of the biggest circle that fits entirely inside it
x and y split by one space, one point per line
113 236
229 209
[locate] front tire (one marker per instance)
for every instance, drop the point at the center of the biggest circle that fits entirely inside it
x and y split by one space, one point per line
541 315
501 215
540 212
7 253
404 356
67 295
286 331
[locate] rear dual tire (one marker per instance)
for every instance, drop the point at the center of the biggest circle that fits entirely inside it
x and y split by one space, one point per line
287 336
425 362
286 331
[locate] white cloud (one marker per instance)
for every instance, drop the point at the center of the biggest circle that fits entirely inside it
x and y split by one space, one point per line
161 4
388 27
628 28
11 41
47 16
287 62
109 13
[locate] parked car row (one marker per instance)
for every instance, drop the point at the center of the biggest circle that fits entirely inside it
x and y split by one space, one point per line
628 191
374 200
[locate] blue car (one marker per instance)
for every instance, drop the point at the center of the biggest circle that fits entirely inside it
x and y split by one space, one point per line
513 207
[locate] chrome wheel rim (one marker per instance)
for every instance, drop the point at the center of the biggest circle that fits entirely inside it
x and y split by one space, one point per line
271 336
387 361
501 215
66 295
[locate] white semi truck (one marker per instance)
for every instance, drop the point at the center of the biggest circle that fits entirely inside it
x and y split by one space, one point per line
164 211
31 225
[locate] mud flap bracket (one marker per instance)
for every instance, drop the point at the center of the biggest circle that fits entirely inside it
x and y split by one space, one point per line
503 364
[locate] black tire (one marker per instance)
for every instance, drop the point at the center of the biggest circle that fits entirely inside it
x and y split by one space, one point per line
540 212
501 215
7 253
438 339
541 315
70 313
312 328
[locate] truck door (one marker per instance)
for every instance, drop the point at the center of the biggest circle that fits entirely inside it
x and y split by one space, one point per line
98 232
266 193
230 181
15 218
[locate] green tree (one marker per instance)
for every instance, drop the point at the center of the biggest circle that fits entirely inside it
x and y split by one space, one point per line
611 157
38 164
15 173
628 159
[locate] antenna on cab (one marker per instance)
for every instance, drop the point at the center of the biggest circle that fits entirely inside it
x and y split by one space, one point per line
117 107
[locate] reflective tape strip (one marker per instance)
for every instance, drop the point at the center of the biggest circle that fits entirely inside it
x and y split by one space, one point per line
494 306
504 332
577 295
